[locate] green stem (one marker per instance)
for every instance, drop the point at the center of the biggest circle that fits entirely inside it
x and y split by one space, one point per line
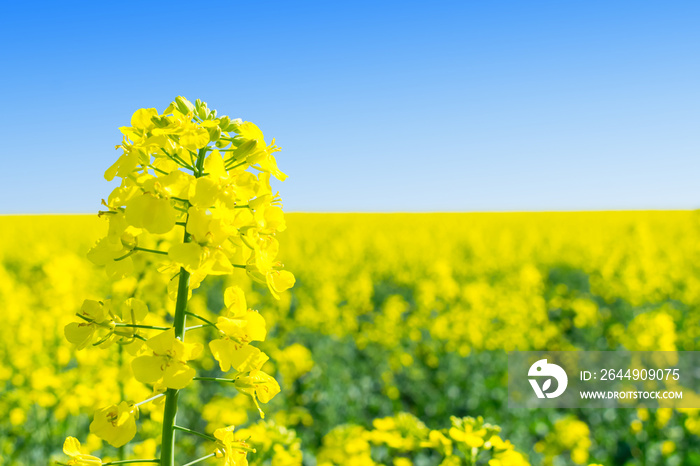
107 337
187 329
197 316
154 251
157 170
152 327
199 459
131 461
124 256
177 159
167 453
149 399
194 432
200 161
214 379
121 451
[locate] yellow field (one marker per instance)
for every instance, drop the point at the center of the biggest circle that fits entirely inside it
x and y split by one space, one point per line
391 314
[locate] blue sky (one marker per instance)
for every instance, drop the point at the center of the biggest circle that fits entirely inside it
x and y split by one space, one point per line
378 106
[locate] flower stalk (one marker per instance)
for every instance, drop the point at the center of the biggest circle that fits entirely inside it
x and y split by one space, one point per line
167 455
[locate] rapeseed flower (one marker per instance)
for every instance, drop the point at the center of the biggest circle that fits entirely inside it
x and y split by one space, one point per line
115 423
167 362
71 447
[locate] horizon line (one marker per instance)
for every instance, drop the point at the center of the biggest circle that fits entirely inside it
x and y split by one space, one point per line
394 212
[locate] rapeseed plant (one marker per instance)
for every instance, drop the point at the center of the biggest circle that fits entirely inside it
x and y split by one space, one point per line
185 168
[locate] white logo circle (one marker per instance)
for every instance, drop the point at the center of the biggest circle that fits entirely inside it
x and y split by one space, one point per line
542 369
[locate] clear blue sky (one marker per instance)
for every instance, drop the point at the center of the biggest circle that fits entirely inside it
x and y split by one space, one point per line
378 106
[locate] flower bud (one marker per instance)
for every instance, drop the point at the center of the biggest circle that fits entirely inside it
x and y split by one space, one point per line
235 125
160 122
203 111
214 133
183 105
245 149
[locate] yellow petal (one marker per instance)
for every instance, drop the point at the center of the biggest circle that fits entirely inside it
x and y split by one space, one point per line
176 183
204 192
198 223
218 264
220 351
178 375
249 130
156 215
162 342
111 172
195 138
266 162
147 369
136 307
234 328
189 255
214 165
162 217
71 447
261 384
117 226
283 280
105 251
125 164
274 219
80 334
266 386
241 358
134 347
279 281
192 350
234 299
115 433
93 310
257 329
473 441
142 118
225 434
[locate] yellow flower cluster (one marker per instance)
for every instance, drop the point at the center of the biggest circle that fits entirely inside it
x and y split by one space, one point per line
274 444
171 176
345 445
238 327
466 442
569 435
188 168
